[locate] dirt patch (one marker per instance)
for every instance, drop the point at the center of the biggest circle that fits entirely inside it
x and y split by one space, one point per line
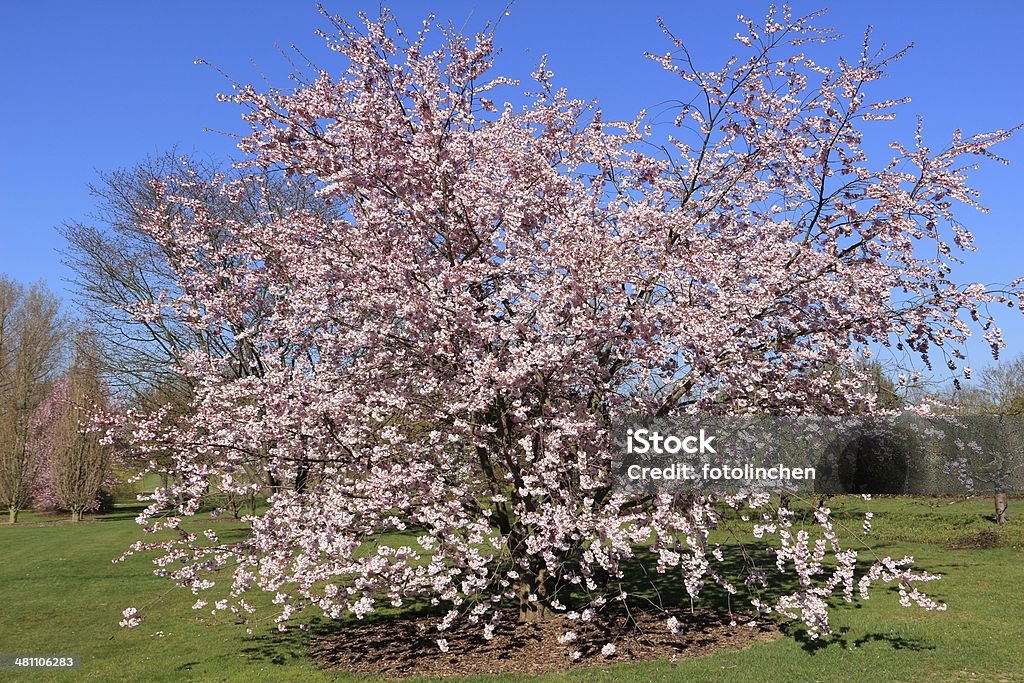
982 539
396 649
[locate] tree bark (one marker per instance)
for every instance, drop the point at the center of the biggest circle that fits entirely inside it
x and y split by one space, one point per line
533 611
1002 508
12 515
76 515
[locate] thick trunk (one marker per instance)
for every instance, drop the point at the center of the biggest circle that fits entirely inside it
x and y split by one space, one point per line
535 610
1002 508
76 515
12 515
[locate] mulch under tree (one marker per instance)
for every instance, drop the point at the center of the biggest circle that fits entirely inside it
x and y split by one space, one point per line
408 647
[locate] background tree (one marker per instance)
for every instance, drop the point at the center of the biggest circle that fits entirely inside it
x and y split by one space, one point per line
999 392
500 283
31 338
75 465
121 270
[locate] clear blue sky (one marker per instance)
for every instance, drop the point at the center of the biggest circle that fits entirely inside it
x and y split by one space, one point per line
99 85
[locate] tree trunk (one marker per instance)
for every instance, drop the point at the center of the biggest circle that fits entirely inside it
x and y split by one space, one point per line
533 611
1002 508
76 515
12 515
235 505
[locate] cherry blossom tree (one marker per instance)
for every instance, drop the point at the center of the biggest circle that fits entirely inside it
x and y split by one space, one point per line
74 465
42 427
503 280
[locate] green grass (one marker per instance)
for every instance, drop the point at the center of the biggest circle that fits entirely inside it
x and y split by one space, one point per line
60 593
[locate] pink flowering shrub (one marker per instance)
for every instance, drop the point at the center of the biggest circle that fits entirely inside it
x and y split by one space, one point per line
73 469
443 360
43 429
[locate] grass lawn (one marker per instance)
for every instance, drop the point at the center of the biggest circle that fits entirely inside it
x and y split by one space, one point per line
61 594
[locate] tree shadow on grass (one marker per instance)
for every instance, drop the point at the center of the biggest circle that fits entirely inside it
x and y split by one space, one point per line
840 638
122 511
284 647
667 591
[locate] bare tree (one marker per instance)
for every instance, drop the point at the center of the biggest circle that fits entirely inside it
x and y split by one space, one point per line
31 338
1000 392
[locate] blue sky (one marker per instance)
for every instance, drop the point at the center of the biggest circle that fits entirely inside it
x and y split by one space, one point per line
98 86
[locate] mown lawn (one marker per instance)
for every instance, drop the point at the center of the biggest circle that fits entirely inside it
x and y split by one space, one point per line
61 594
